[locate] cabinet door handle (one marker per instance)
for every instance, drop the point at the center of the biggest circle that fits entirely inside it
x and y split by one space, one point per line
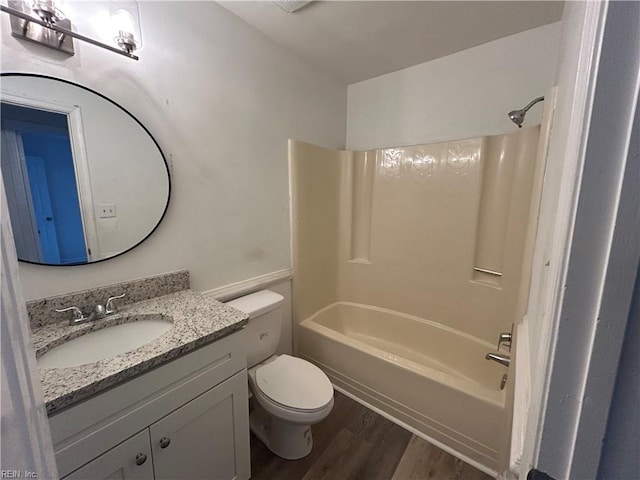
141 458
164 442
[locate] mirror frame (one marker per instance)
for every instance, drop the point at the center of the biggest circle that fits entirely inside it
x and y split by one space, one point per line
164 159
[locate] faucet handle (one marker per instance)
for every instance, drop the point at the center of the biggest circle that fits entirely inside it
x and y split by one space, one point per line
504 338
110 307
78 316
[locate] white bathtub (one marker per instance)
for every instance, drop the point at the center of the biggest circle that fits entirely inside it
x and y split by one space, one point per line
429 377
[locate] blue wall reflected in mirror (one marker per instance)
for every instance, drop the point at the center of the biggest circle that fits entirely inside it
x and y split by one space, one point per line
54 234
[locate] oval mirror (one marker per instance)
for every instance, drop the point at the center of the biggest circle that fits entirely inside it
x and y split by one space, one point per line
85 180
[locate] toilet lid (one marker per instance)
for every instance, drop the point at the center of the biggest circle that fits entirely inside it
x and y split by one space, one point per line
295 383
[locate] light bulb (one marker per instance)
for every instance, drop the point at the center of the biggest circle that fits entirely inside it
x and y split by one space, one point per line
124 26
123 21
46 10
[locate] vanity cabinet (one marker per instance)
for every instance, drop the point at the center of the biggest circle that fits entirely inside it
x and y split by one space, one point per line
182 445
131 460
187 419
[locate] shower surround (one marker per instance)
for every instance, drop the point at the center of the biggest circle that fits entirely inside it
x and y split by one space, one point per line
408 263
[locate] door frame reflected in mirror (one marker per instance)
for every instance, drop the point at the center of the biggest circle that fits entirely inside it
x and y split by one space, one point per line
80 163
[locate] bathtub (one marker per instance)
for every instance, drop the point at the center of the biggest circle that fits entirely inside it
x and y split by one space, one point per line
423 375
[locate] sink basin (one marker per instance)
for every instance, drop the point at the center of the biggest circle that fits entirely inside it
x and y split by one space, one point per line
98 344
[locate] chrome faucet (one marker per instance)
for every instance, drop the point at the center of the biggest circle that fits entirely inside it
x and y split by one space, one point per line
78 316
110 306
98 312
101 311
501 358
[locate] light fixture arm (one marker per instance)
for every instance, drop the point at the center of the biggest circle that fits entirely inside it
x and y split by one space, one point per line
64 31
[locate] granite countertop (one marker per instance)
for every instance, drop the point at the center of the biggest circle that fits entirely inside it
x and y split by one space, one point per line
197 320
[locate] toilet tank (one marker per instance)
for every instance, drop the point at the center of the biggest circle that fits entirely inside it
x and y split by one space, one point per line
265 323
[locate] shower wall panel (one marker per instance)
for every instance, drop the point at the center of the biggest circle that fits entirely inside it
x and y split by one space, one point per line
316 174
363 165
436 231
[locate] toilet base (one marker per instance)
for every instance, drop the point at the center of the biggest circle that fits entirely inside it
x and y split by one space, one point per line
287 440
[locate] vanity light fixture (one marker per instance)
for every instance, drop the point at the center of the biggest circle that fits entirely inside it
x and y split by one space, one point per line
123 24
40 21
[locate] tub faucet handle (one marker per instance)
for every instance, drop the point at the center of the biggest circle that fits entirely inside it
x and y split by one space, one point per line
504 338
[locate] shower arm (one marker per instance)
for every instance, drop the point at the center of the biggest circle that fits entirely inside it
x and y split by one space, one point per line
532 103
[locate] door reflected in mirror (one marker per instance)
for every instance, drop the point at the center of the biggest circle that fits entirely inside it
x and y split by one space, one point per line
85 181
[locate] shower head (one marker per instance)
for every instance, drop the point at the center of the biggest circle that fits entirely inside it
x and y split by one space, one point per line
517 116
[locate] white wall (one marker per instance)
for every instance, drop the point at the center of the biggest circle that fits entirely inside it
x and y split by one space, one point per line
221 100
466 94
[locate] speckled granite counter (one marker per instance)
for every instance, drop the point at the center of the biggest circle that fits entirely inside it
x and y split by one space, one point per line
197 320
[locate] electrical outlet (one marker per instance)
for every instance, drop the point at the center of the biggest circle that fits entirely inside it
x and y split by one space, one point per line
107 210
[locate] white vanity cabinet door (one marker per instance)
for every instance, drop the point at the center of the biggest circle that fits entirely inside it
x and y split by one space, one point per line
127 461
207 438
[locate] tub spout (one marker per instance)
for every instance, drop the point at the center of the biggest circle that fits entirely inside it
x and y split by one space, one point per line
501 358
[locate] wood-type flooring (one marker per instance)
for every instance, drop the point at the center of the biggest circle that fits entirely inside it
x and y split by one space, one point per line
354 443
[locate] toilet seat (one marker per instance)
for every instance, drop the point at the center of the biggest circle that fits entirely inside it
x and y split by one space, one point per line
294 384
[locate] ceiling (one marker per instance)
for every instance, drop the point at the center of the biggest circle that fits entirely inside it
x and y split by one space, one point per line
357 40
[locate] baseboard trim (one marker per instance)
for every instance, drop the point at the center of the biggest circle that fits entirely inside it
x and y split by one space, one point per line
243 287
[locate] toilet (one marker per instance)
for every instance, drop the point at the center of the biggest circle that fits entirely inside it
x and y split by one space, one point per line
290 393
